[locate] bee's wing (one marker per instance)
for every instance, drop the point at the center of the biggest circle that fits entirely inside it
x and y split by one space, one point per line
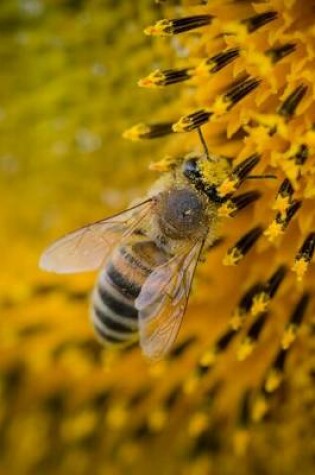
87 248
162 302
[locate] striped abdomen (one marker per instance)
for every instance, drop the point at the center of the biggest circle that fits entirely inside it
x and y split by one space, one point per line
114 315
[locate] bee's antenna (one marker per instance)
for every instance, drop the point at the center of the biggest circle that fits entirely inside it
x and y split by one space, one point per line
204 144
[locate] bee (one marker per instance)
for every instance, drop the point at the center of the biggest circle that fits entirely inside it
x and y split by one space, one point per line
148 254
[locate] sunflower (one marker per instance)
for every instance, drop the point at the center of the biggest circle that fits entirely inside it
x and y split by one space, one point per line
237 388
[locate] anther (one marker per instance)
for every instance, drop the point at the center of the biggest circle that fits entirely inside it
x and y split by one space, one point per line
260 405
280 52
148 131
281 221
290 332
242 170
232 206
239 173
167 27
210 356
238 317
218 61
304 256
255 22
274 376
252 336
237 252
301 155
288 107
284 197
160 78
239 90
262 299
241 435
291 211
192 121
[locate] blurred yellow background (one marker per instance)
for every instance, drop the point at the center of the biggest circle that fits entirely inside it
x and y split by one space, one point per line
68 74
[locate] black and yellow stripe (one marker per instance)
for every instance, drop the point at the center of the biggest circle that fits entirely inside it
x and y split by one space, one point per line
114 315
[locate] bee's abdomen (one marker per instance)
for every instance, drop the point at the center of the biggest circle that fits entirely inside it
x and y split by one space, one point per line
114 315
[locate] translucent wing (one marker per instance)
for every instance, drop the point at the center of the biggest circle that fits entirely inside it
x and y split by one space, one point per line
163 300
87 248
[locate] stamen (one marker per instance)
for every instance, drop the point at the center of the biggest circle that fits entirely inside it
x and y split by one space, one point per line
304 256
288 108
280 52
291 330
260 406
236 253
148 131
239 90
192 121
301 156
175 26
257 21
262 299
252 336
231 207
284 197
241 436
275 374
239 173
281 221
237 320
160 78
219 61
209 357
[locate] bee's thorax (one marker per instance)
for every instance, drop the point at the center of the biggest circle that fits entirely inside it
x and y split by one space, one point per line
181 213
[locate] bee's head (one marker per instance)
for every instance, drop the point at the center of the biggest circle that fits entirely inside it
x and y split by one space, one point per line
191 170
206 175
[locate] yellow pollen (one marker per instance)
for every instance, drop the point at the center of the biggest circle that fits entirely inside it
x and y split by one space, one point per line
135 132
260 408
232 257
273 231
117 416
226 209
157 419
191 384
273 380
281 204
227 187
208 358
220 106
260 303
197 424
159 29
237 320
246 348
300 267
289 336
241 440
164 165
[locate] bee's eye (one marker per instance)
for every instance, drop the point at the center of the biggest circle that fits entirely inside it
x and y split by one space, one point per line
191 169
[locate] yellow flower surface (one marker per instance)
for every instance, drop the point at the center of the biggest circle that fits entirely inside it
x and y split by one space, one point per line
236 393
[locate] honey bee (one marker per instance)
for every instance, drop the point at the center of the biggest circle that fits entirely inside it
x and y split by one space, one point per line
148 253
